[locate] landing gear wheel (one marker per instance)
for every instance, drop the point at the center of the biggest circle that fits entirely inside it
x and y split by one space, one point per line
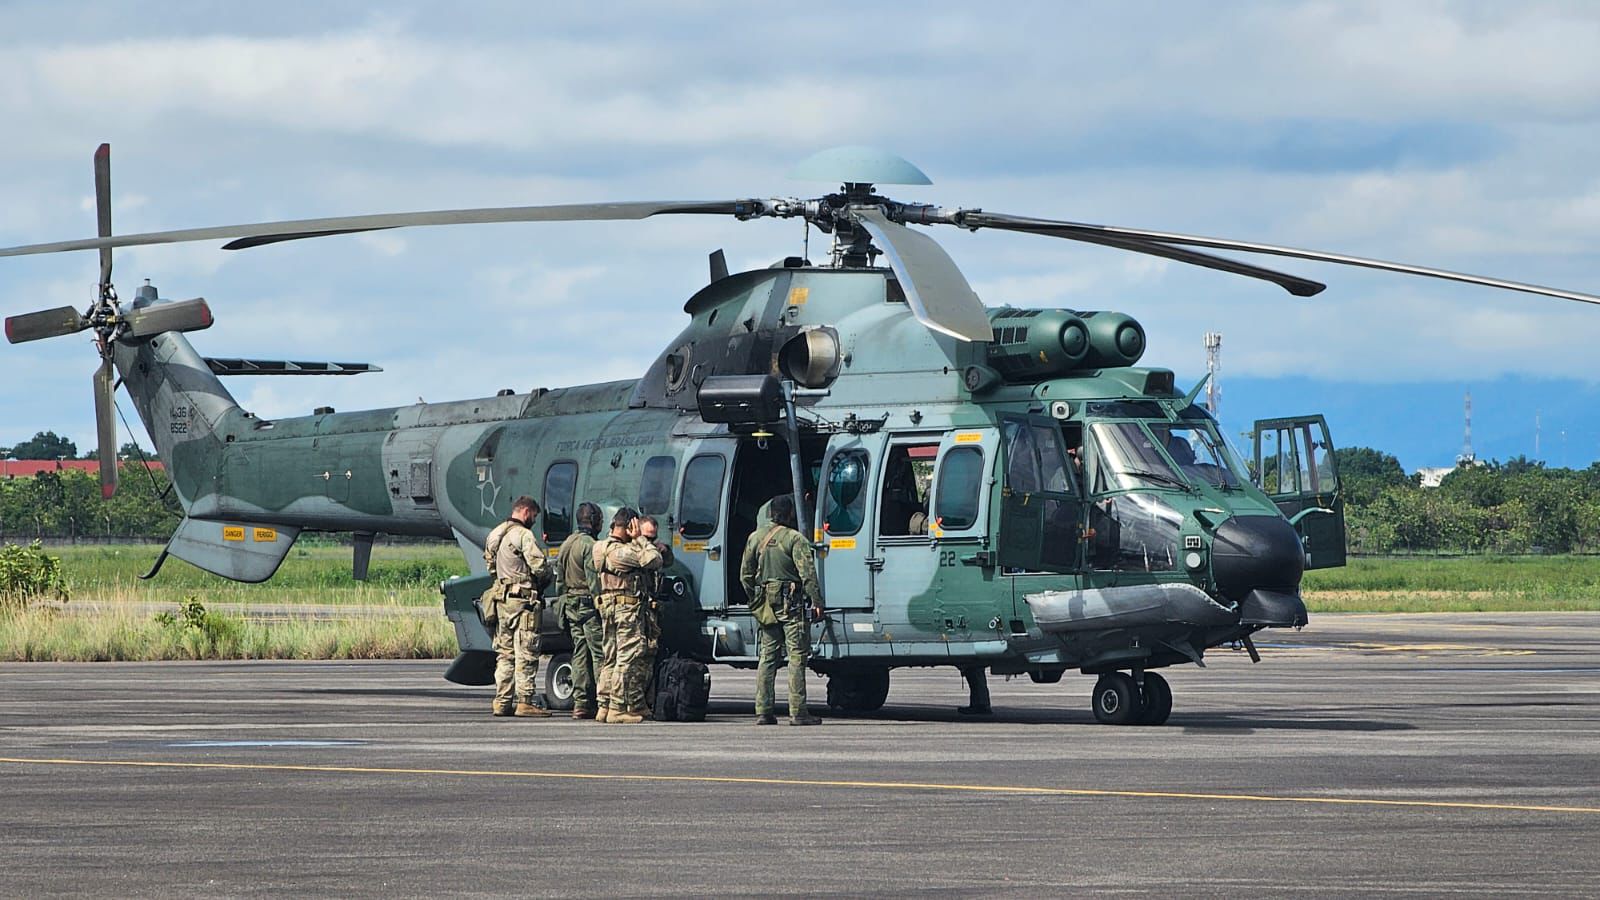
1157 700
1116 700
558 682
858 690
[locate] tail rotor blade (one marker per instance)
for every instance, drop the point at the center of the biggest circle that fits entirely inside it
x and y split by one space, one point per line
105 386
43 324
184 315
102 205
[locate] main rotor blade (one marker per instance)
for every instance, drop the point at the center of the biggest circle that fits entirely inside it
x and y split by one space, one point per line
105 386
184 315
1294 284
302 228
44 323
102 205
937 292
1086 232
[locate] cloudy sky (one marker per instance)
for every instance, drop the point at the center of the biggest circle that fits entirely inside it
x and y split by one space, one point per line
1458 135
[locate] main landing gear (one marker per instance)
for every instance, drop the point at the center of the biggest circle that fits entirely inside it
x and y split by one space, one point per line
1119 700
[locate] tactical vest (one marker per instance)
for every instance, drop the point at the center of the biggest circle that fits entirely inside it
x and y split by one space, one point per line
628 581
505 562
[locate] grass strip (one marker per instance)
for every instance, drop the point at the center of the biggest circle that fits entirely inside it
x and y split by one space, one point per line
47 634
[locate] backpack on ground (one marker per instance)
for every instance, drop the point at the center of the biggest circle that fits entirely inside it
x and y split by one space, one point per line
683 689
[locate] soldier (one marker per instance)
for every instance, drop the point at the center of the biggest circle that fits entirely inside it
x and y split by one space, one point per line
579 616
648 531
624 564
520 571
779 574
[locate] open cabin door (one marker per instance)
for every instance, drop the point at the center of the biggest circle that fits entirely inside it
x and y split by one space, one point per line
1295 466
1041 510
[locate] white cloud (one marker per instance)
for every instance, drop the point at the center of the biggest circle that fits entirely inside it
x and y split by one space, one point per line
1458 135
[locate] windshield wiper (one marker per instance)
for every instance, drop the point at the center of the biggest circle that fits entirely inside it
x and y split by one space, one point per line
1158 478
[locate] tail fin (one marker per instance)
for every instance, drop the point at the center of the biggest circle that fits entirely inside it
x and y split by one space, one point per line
184 407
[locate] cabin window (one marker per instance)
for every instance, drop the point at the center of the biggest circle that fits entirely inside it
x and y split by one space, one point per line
1022 459
655 489
560 490
847 495
702 490
960 481
907 479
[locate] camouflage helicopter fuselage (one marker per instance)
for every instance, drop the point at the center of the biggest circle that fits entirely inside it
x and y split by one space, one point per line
1023 561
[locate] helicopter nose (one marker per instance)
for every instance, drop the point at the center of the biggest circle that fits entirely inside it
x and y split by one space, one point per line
1257 562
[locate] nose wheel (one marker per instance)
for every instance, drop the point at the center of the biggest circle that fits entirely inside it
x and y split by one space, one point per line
1118 700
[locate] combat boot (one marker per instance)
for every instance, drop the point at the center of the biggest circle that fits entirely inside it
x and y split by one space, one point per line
530 711
504 710
581 713
804 719
625 718
766 719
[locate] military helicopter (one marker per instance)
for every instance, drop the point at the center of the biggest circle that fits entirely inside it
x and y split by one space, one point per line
990 487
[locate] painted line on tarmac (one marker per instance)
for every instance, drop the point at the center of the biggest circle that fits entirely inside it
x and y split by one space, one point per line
802 782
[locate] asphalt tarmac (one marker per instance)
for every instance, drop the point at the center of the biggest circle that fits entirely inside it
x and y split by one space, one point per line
1422 755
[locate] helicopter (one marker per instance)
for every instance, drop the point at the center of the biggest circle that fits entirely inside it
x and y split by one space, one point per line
999 488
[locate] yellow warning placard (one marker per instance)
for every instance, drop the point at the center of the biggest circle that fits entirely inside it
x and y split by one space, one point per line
968 437
842 543
232 533
694 546
265 535
799 295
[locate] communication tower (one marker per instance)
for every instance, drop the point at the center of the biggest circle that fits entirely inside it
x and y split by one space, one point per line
1467 457
1214 369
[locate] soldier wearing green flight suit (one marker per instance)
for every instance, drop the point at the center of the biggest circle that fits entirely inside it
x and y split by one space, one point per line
625 565
521 572
579 584
779 573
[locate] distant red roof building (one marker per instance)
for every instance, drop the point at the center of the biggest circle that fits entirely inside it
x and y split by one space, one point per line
27 468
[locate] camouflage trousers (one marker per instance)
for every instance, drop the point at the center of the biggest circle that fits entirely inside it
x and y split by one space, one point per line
793 635
637 637
605 682
588 652
516 653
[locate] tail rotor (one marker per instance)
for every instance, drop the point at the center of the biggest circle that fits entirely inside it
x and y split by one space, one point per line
110 323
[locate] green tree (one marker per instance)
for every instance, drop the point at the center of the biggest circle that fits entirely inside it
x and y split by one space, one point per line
1365 472
45 445
129 451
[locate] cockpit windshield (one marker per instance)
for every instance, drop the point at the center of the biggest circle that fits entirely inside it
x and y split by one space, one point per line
1160 453
1196 454
1129 459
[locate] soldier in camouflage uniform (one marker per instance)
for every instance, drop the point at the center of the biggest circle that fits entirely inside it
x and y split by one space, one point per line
579 617
518 564
605 678
648 531
625 564
779 573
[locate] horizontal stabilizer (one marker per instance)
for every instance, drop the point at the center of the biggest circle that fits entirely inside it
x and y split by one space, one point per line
239 551
286 367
